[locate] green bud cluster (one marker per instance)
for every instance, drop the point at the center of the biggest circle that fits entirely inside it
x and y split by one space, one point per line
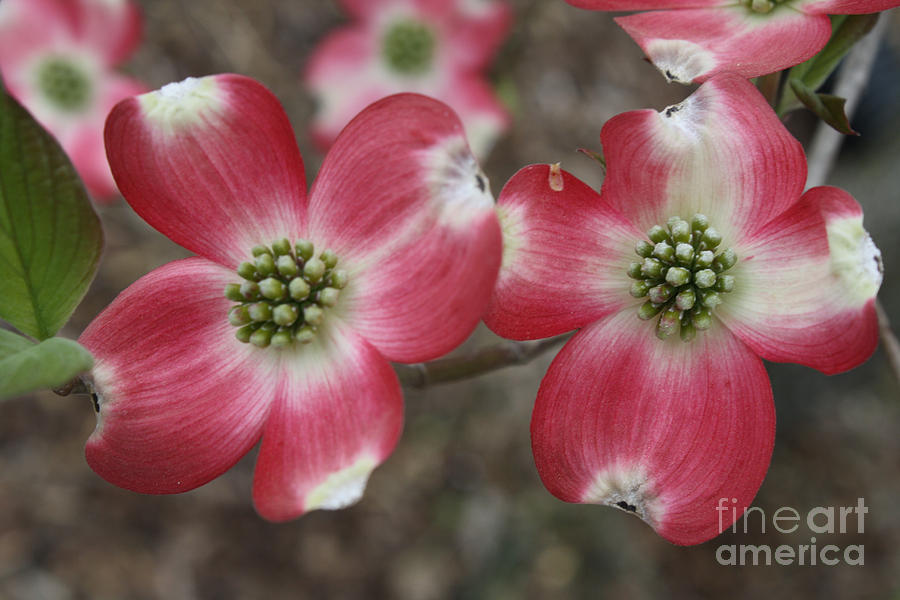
682 275
408 47
285 293
64 84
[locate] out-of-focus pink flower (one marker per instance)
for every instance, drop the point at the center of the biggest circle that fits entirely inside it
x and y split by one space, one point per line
439 48
57 59
284 324
696 39
700 256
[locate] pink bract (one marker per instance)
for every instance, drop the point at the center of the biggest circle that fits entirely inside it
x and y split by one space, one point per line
212 163
693 40
666 429
83 40
350 68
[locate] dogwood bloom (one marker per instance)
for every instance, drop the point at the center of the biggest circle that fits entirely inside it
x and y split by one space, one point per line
283 326
57 58
692 40
700 257
440 48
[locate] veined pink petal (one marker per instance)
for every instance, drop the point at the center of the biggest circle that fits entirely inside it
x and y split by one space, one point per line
422 265
722 152
805 286
338 415
623 5
181 400
211 163
696 44
844 7
565 256
666 430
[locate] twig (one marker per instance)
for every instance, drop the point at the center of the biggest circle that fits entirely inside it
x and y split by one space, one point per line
851 83
478 362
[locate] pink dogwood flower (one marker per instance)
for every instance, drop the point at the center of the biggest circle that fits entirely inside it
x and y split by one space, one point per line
693 40
283 326
700 256
440 48
57 58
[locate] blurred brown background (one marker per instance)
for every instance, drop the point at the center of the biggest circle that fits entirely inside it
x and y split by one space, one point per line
458 511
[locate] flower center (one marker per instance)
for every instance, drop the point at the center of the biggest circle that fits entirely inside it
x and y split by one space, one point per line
683 276
285 293
408 47
64 84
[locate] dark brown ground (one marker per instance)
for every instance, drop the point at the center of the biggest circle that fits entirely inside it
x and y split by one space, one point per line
458 511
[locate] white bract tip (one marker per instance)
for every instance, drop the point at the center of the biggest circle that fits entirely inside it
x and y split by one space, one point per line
342 488
629 489
854 258
679 60
183 102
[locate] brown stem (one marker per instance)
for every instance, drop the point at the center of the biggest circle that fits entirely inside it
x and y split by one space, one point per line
472 364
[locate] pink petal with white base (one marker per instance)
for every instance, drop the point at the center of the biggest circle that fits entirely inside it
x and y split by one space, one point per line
665 430
181 400
844 7
806 284
421 266
722 152
337 416
696 44
113 27
211 163
552 282
623 5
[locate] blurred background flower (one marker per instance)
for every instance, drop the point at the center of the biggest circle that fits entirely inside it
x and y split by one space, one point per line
440 48
57 58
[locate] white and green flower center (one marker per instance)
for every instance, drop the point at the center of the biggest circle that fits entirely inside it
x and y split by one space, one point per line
285 294
408 47
763 6
64 84
683 276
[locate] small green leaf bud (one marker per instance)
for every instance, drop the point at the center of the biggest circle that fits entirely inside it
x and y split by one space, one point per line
681 232
247 271
705 278
299 289
661 294
250 290
339 278
287 266
643 248
711 237
261 338
701 318
658 234
313 315
265 264
634 271
281 247
672 221
329 258
684 254
704 259
688 331
239 315
285 314
685 299
272 288
668 324
233 292
648 310
243 334
725 261
664 252
710 298
305 249
260 311
678 276
281 339
639 288
305 334
314 269
700 222
329 296
724 283
260 250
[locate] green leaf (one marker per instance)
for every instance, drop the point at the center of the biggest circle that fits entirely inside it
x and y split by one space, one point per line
50 236
26 366
846 31
827 107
